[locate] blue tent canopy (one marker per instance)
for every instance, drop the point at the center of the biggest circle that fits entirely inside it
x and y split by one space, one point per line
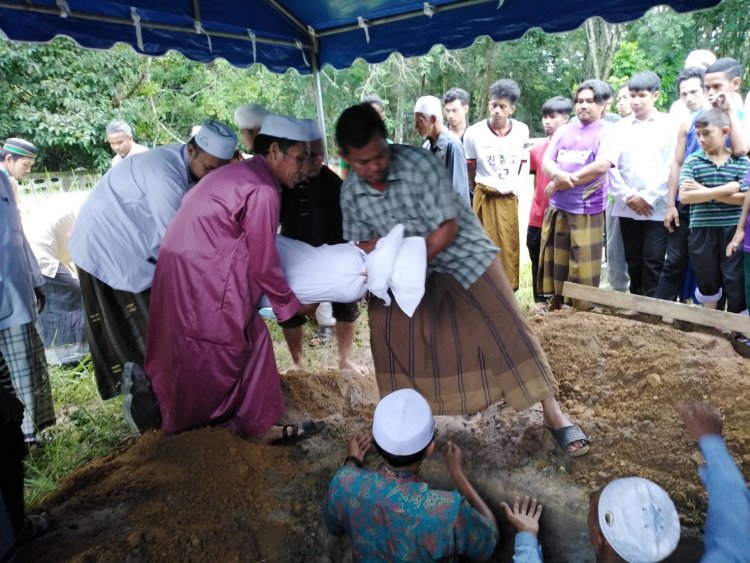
303 34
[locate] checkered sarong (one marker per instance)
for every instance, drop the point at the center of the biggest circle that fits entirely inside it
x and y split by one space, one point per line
24 353
571 251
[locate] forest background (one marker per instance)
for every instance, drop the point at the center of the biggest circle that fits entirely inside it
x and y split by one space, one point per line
61 96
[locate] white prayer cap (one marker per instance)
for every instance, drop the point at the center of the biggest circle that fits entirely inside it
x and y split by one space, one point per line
216 139
313 130
250 116
702 58
638 519
283 127
403 423
429 105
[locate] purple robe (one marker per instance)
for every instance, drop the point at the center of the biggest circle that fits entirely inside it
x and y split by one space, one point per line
209 355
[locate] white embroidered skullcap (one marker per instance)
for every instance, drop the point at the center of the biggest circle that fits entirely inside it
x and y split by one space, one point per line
429 105
403 423
216 139
638 519
250 116
283 127
313 130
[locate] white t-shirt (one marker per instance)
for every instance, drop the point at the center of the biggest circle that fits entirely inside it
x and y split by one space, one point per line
498 157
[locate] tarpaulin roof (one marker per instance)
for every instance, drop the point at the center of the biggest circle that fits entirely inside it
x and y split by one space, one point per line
283 34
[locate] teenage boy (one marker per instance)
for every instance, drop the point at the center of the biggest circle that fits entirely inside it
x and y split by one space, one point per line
710 182
392 516
495 151
577 165
456 104
644 150
677 217
722 83
555 113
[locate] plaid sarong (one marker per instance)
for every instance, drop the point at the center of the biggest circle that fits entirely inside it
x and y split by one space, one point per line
116 323
24 354
571 251
463 349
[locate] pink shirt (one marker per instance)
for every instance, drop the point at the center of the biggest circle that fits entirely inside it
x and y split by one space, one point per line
540 201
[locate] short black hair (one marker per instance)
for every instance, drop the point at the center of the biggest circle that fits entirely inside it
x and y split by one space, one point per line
727 65
507 89
559 105
688 74
357 126
713 116
262 144
602 91
456 94
402 460
646 80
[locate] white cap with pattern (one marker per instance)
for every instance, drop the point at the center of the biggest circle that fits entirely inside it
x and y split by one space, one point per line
216 139
403 423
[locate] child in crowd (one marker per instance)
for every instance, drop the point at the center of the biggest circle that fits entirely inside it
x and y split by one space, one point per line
645 142
555 112
710 184
392 516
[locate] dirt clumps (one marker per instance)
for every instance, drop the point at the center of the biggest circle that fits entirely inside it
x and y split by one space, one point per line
208 495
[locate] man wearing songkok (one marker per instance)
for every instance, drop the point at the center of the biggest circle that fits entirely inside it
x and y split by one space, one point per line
62 324
20 300
116 239
209 354
495 151
311 212
468 344
572 232
18 156
428 121
249 119
389 513
120 139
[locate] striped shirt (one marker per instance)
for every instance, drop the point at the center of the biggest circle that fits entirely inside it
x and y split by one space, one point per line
419 195
714 213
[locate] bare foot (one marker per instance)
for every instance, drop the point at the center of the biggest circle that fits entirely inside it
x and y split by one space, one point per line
348 366
295 368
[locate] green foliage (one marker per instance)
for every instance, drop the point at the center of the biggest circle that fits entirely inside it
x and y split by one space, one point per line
87 427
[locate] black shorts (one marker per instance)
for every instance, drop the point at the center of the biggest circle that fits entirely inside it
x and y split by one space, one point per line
342 312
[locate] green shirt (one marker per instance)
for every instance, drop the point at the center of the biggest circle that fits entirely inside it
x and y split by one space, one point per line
418 195
714 213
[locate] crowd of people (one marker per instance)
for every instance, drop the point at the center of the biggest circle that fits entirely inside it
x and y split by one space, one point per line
175 248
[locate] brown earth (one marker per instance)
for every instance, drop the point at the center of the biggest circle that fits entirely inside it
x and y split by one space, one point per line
208 495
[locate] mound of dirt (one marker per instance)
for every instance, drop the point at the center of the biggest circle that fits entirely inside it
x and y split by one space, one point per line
208 495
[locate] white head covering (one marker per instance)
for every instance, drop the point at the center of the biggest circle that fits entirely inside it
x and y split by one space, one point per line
216 139
283 127
313 130
638 519
403 423
429 105
250 116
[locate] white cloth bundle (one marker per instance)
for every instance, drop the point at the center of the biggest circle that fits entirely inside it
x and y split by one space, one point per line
343 273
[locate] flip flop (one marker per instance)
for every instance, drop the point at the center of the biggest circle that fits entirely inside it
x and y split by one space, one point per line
567 435
741 345
290 432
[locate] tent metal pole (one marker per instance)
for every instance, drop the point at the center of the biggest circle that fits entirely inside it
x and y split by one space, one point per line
319 105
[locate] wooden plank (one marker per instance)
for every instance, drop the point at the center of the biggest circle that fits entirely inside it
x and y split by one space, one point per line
668 310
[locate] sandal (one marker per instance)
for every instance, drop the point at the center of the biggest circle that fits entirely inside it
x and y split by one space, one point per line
567 435
290 432
741 345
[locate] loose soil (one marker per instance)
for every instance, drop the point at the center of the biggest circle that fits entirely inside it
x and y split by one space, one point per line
208 495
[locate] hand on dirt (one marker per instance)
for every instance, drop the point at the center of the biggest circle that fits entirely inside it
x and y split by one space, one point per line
359 445
454 458
524 517
700 419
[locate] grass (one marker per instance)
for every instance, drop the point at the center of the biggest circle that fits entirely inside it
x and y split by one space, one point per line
88 427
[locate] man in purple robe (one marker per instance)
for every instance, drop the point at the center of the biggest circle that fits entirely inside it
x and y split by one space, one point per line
209 355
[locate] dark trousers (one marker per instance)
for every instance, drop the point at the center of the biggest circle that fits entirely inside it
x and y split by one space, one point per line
534 244
12 452
677 260
645 246
714 270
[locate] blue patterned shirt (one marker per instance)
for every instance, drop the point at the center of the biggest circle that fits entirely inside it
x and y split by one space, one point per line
419 195
391 516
